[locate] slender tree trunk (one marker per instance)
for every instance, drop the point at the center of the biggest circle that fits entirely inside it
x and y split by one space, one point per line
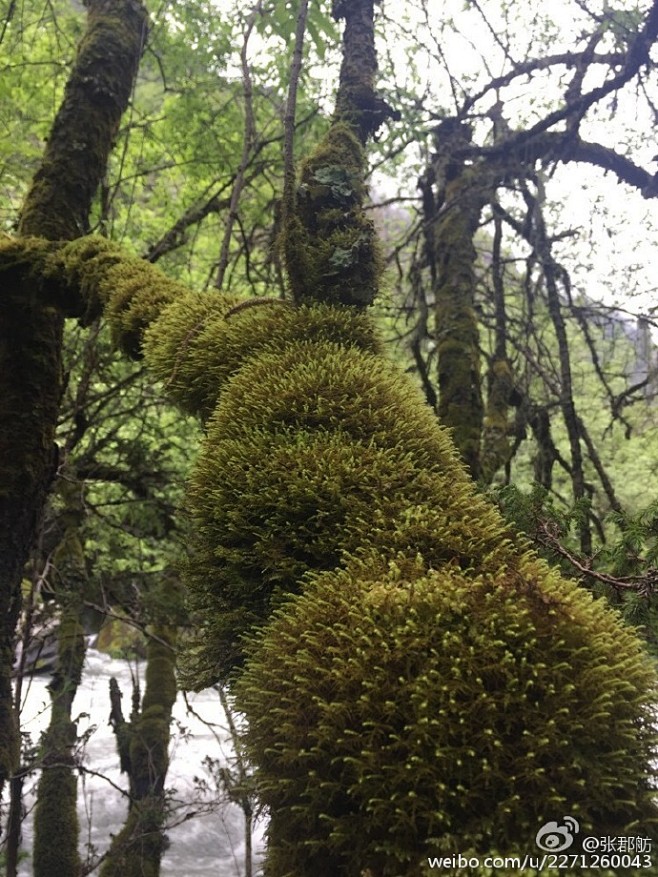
143 742
57 207
56 828
463 192
542 246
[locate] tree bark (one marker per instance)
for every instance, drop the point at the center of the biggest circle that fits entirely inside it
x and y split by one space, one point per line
57 207
143 744
462 193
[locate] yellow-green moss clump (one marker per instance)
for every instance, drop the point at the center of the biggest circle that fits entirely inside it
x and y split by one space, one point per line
200 341
429 686
315 450
397 713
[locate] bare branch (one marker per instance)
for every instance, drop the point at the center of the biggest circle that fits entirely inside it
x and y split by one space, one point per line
247 144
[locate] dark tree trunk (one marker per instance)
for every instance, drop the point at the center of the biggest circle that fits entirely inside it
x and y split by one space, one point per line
57 207
143 744
462 193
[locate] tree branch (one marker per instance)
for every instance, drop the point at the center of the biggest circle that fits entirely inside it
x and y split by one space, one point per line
638 55
97 93
248 141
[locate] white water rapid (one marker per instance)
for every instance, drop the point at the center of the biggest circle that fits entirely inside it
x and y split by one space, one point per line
207 845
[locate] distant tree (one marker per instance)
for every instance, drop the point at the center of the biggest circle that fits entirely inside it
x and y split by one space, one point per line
490 263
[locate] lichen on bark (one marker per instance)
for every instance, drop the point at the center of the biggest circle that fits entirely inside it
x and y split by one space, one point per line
329 242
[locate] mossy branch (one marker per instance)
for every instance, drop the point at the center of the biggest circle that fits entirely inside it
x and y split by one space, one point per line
329 243
97 93
87 277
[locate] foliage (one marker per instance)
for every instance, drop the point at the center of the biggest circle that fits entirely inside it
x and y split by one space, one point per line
637 547
623 570
536 512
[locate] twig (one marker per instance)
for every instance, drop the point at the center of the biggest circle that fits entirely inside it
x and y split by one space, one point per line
289 118
247 144
646 583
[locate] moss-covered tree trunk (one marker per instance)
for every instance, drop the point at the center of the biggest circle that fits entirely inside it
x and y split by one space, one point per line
501 390
143 744
462 193
329 243
56 822
57 207
56 819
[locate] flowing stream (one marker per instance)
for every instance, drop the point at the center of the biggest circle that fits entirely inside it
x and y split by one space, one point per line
210 844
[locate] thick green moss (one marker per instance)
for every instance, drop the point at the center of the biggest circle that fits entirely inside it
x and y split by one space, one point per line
402 694
56 844
423 684
397 713
201 341
314 451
